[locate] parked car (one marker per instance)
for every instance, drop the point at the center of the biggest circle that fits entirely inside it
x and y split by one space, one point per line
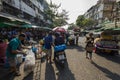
106 44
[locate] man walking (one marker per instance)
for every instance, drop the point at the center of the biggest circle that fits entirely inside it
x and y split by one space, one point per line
48 41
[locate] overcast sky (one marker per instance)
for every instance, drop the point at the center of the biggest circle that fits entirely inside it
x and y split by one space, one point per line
75 7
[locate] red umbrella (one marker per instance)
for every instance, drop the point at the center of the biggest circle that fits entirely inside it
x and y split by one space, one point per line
76 29
59 29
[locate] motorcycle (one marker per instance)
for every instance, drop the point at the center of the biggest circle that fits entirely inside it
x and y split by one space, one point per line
60 55
60 58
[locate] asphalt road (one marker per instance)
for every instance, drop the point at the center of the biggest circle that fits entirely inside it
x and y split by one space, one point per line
103 67
77 67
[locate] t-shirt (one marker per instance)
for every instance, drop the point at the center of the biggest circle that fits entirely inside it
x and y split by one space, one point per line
14 44
59 40
48 41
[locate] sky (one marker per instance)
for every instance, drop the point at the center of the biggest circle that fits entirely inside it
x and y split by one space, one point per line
74 7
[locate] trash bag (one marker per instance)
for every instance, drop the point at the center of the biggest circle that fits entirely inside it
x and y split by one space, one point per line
29 61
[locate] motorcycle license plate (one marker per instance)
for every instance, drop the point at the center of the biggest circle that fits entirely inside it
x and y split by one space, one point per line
61 57
107 51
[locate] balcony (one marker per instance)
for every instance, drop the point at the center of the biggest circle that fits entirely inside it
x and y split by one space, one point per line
109 1
10 2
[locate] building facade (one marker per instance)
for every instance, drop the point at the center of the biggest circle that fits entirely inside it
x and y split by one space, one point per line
118 10
27 10
102 11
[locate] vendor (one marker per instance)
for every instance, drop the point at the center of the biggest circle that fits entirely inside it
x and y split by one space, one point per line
13 49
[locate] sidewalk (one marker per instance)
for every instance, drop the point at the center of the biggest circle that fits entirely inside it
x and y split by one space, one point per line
35 75
4 72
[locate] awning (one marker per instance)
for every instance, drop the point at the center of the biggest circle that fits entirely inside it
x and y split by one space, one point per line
117 28
111 25
27 26
47 28
99 30
6 24
44 28
13 19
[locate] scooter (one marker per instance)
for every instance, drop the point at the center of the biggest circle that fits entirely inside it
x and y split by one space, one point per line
60 58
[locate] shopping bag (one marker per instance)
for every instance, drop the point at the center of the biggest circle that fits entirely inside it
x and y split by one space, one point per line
29 61
43 57
19 58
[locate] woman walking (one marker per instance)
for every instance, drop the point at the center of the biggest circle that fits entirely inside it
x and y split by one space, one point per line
89 46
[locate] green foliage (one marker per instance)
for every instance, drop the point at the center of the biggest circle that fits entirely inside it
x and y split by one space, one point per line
71 26
61 18
79 21
88 22
82 22
58 19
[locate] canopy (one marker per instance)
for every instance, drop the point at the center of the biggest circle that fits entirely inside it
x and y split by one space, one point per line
12 19
47 28
6 24
59 29
117 28
27 26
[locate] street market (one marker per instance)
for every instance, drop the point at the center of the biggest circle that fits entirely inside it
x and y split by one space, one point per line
56 40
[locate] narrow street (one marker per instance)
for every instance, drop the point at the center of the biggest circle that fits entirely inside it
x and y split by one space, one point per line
103 67
29 28
77 67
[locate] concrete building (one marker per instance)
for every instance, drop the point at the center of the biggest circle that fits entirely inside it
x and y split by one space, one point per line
102 11
116 14
31 11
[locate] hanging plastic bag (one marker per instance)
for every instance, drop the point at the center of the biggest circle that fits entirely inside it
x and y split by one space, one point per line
19 58
43 56
29 61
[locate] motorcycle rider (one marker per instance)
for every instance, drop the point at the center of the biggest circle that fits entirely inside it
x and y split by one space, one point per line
59 40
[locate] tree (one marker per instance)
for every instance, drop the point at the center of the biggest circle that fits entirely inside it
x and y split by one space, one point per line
71 26
52 12
79 21
58 19
82 22
88 22
61 18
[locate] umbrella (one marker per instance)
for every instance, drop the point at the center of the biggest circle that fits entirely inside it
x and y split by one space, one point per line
59 29
76 29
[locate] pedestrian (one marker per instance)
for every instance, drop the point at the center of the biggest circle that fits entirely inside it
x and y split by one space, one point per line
89 45
77 38
67 36
48 41
12 50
